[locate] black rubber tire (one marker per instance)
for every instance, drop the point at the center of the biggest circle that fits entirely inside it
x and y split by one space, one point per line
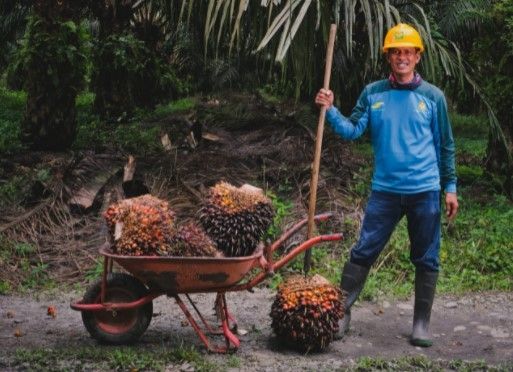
125 326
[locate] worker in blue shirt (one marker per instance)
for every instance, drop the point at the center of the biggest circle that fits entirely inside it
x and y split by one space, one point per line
413 163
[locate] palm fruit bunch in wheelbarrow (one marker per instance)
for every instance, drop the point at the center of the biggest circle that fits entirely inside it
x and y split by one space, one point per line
141 226
306 312
145 226
191 240
236 218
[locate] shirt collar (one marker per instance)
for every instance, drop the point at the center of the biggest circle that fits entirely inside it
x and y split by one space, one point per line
417 80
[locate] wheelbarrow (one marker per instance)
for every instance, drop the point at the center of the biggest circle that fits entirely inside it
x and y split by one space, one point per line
118 308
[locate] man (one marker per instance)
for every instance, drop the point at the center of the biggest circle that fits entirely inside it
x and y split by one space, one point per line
413 161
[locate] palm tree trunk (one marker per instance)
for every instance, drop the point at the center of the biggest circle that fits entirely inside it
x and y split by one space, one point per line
113 95
498 157
54 76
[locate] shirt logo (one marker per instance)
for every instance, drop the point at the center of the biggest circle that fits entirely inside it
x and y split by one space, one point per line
421 107
377 105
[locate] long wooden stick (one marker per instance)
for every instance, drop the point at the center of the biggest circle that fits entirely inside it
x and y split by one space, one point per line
318 146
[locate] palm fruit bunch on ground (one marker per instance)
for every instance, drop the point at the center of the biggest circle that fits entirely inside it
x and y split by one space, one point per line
141 226
191 240
236 218
306 312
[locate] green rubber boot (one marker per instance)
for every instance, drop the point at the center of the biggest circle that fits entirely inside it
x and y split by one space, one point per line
425 285
352 281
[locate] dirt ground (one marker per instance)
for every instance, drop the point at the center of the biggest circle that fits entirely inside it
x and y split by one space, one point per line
471 327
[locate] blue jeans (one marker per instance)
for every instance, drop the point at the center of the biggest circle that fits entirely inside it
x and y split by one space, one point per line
384 210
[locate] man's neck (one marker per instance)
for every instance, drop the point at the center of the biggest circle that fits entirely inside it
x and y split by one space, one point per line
402 79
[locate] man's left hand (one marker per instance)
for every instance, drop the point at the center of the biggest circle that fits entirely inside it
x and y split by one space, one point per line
451 205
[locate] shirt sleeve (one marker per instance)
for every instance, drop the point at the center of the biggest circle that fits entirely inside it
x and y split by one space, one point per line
354 126
447 148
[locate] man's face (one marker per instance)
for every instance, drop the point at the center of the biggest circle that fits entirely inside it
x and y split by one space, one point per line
403 61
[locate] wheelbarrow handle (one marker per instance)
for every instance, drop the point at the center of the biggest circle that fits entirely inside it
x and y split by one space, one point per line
287 234
303 247
271 267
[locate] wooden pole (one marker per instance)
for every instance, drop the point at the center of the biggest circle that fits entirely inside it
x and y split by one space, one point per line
318 146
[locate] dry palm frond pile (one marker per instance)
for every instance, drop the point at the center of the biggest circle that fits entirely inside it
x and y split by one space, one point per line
141 226
236 217
306 312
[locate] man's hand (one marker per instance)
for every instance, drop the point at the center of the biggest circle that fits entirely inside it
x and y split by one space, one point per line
451 205
324 98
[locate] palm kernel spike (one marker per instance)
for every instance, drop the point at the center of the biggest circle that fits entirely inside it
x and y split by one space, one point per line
236 218
147 226
306 312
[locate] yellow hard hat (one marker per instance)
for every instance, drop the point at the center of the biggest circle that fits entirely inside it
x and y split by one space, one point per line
402 35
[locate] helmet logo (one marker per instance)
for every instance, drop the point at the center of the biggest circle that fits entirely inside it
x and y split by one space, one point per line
399 35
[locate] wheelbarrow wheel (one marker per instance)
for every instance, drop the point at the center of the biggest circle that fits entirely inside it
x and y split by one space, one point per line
122 326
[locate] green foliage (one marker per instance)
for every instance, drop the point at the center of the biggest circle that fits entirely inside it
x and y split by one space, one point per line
476 254
474 147
23 249
269 94
163 110
136 138
5 287
128 75
361 182
141 135
95 272
469 126
11 112
493 55
468 174
37 275
13 190
30 271
234 362
282 210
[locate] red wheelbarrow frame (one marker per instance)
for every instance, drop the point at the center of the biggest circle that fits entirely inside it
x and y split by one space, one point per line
173 276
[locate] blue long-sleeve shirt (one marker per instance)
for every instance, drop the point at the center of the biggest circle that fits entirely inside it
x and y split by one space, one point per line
410 133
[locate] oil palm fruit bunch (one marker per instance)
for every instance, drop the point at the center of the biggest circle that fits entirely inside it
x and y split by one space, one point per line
141 226
306 312
236 217
191 240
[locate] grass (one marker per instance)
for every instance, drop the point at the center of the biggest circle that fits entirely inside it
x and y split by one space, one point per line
422 363
127 358
124 358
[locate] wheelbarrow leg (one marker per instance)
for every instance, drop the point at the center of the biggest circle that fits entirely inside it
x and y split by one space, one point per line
107 269
221 307
209 328
229 336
